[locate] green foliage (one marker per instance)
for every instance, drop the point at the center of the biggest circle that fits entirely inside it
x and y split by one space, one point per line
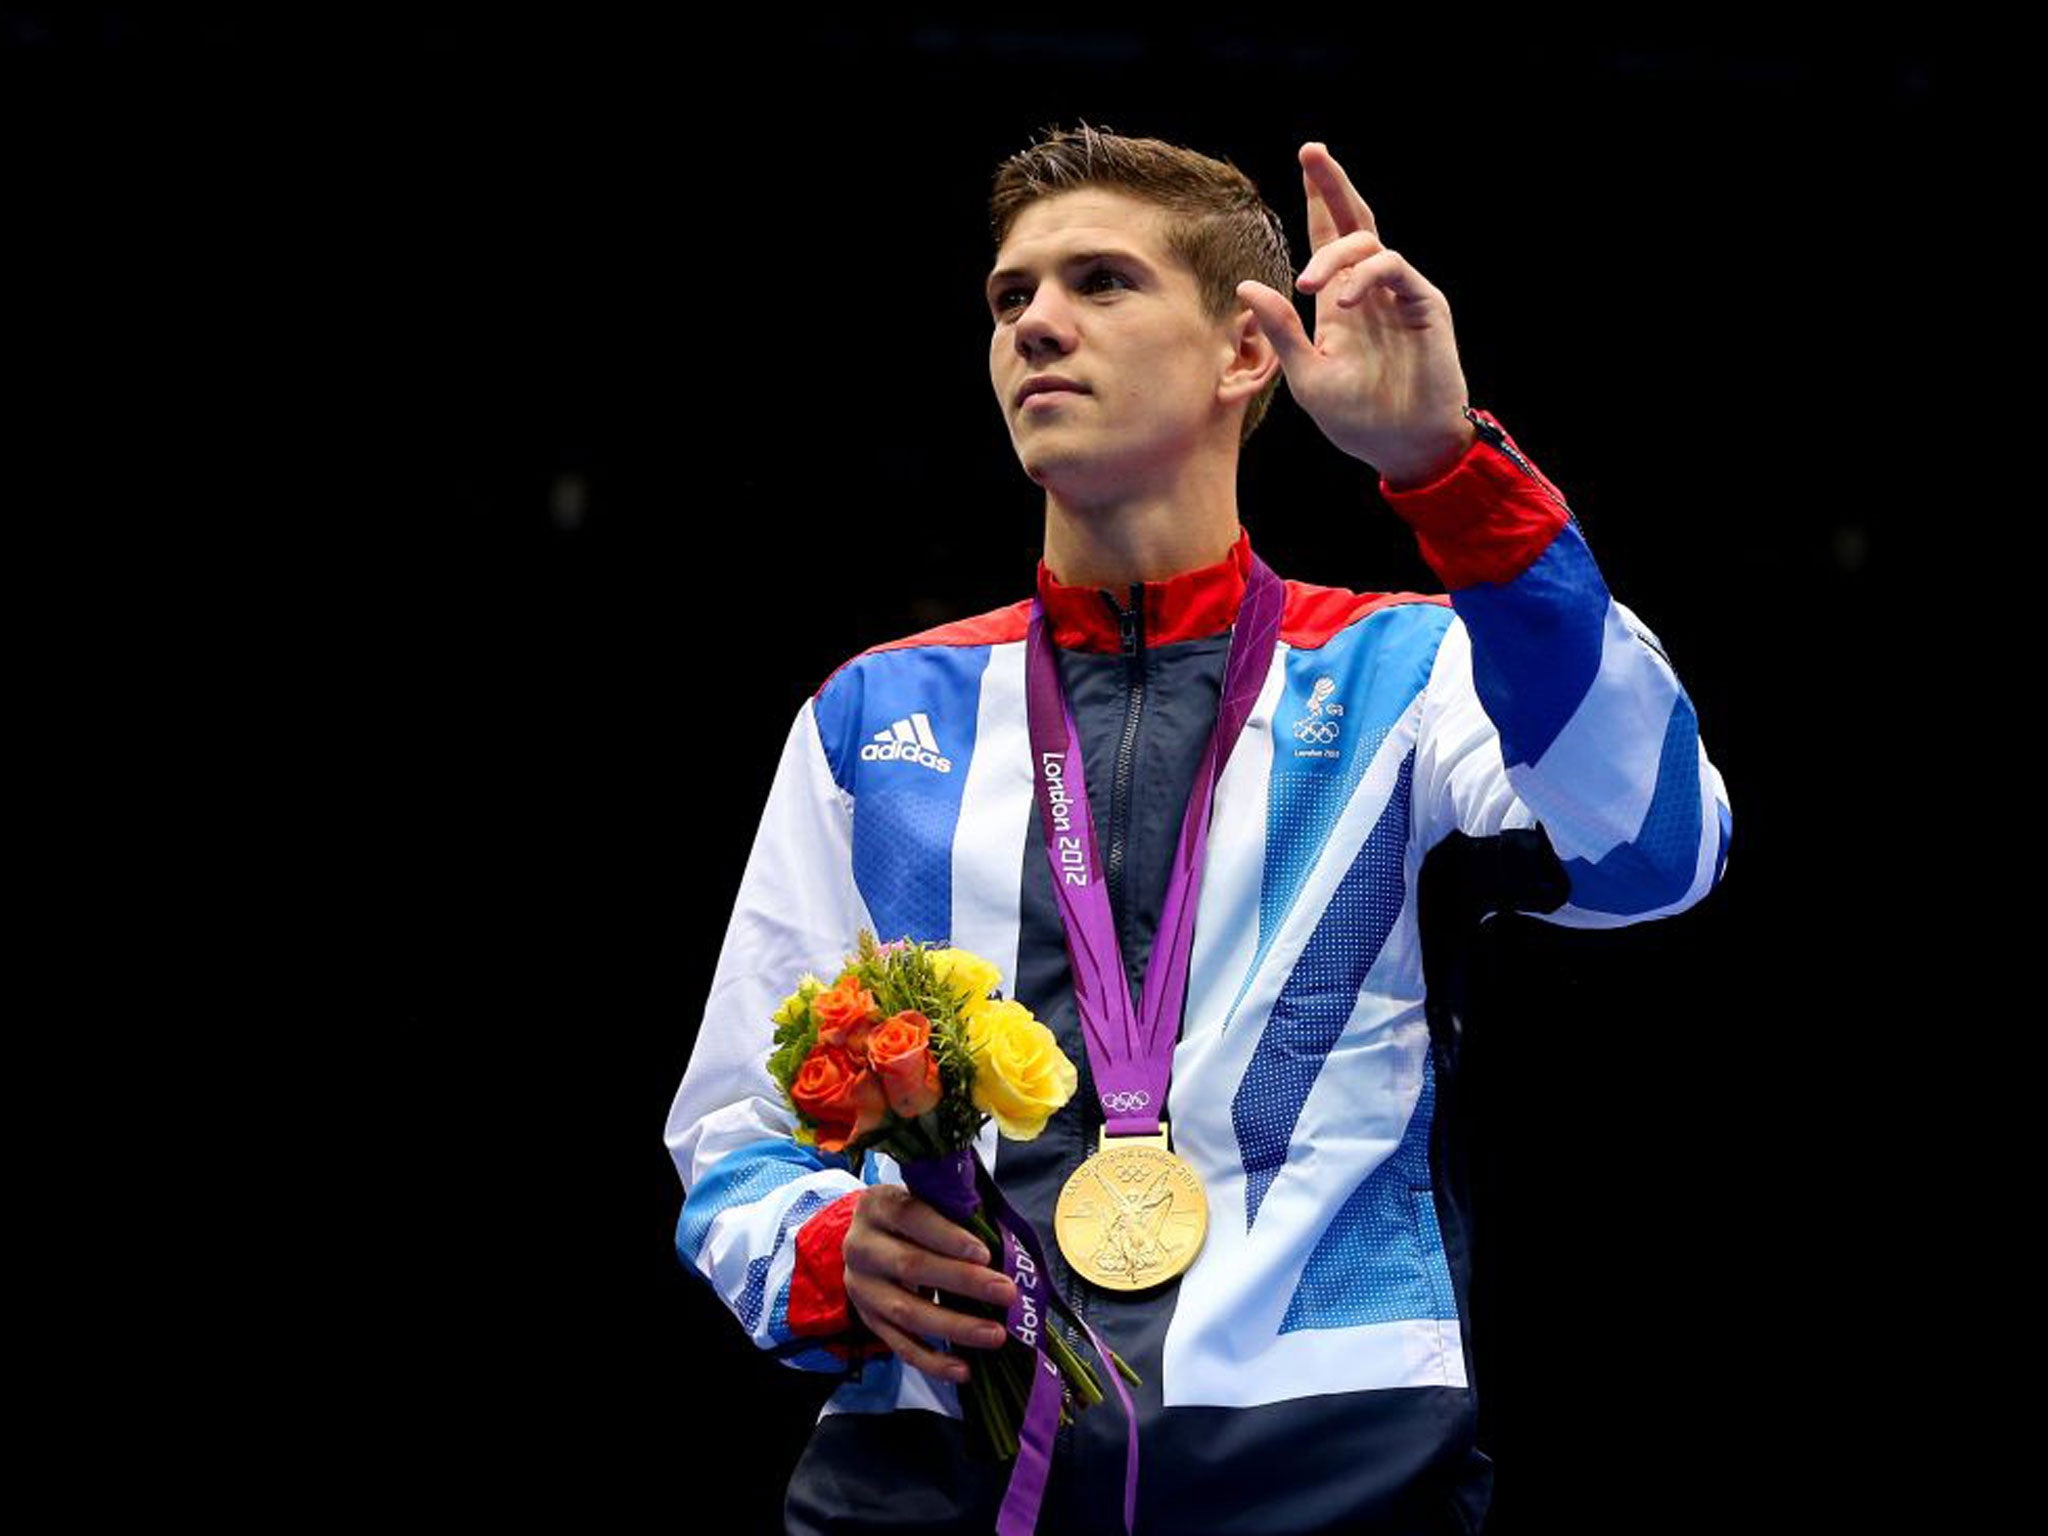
959 1121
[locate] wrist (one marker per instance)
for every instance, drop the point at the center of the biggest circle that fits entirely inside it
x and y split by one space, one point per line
1428 462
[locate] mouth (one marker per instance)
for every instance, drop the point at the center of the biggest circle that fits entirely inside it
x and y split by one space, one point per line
1048 387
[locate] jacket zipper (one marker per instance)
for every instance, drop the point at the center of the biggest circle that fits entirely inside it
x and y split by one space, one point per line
1131 628
1498 439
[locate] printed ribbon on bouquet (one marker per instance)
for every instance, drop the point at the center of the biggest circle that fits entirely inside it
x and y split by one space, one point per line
950 1185
1132 1057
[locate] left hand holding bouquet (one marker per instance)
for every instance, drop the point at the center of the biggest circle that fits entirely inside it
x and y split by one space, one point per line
898 1251
909 1052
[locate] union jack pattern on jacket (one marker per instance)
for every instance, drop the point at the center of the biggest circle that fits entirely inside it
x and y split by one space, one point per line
1328 1305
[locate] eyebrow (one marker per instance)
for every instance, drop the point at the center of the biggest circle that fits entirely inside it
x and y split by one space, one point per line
1003 277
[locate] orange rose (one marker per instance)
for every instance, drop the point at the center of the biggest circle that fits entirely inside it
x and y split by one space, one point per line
844 1098
900 1052
846 1013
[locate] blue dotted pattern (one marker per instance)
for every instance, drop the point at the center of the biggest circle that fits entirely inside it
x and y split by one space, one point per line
741 1177
1536 644
904 813
1318 996
1379 665
903 860
1382 1259
1656 867
754 1294
1308 797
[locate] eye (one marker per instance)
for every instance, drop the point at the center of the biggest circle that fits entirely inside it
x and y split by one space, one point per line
1095 280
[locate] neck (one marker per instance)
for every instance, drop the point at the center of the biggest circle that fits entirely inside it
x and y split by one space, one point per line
1145 538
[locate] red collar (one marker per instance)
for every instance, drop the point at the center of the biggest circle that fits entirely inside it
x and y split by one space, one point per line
1189 606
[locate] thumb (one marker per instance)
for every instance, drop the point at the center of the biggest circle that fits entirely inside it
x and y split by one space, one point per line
1277 318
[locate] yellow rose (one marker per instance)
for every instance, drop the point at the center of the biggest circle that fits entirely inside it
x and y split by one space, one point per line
1020 1073
793 1006
969 977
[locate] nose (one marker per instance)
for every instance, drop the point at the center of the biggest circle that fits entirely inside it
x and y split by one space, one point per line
1046 327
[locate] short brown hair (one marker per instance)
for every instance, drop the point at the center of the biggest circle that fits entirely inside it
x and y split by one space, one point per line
1217 222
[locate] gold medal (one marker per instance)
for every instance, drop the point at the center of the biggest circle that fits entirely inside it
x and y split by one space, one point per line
1133 1215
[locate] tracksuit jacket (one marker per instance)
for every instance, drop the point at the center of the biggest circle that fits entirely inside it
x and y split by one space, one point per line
1310 1371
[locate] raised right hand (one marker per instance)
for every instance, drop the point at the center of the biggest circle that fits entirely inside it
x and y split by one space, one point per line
899 1250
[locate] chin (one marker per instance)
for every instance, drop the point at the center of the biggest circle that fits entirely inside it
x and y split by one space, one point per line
1054 471
1055 455
1040 464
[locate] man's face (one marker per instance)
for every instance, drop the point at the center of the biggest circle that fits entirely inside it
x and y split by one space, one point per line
1085 291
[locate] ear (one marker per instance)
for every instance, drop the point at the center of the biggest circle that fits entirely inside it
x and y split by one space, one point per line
1252 360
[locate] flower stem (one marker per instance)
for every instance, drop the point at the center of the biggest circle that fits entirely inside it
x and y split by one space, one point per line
988 1411
981 1228
977 1393
990 1369
971 1405
1015 1363
1076 1370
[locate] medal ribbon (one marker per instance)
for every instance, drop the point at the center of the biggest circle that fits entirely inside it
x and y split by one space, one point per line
1132 1056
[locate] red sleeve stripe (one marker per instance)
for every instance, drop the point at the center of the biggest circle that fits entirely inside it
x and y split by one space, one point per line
1487 518
817 1287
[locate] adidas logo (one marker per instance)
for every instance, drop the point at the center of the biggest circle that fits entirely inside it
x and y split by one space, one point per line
909 741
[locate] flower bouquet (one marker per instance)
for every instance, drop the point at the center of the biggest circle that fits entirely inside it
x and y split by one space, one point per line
911 1051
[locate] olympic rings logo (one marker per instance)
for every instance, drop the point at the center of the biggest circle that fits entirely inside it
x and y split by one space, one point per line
1322 732
1127 1100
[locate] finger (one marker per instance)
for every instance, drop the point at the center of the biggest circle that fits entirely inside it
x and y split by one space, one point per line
901 1238
1342 205
912 1312
1322 223
931 1361
1334 257
1387 273
897 1210
1278 320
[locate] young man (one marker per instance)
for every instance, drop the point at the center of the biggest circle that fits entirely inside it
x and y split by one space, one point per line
1307 1370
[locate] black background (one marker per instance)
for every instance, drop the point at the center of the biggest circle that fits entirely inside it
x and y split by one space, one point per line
544 413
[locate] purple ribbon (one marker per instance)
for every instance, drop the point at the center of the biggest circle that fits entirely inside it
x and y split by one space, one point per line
957 1186
1132 1057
